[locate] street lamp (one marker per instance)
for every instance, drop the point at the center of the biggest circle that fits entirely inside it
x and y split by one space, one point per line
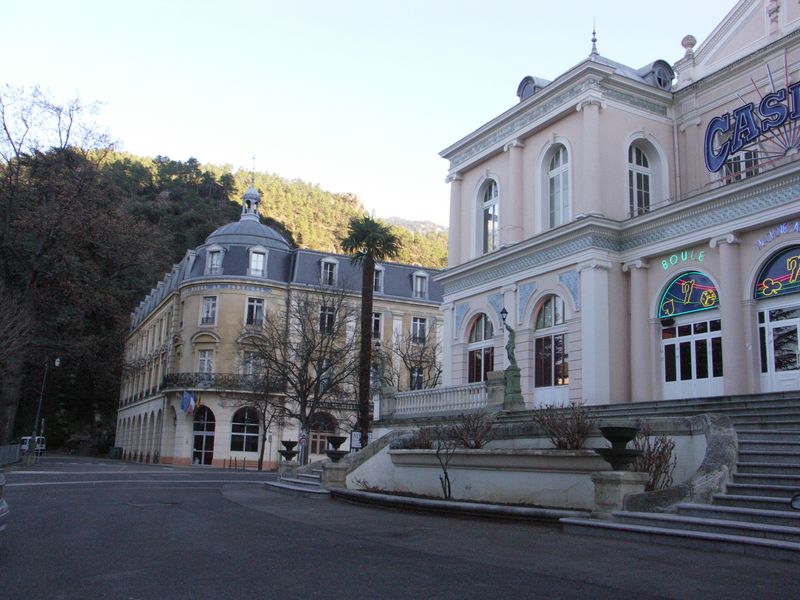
32 444
503 314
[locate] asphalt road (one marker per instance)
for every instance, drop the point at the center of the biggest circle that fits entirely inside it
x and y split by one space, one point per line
86 529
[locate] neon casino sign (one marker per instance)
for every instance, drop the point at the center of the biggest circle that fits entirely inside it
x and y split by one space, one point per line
780 276
687 293
770 122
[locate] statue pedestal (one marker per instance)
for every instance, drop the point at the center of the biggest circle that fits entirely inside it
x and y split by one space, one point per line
513 394
611 487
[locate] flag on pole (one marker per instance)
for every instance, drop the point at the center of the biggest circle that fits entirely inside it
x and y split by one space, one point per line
186 402
192 403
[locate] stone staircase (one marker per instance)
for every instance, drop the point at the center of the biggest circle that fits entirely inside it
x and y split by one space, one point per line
307 482
753 517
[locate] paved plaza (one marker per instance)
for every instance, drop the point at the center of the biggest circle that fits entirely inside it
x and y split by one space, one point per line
88 528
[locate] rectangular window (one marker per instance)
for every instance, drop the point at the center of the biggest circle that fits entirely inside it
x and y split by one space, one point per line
215 262
415 378
208 316
543 364
255 312
420 286
328 273
685 349
377 283
418 329
481 361
785 349
670 364
701 359
205 362
376 325
324 374
257 264
250 363
326 317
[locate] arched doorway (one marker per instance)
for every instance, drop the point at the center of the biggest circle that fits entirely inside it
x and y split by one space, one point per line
691 337
776 292
203 446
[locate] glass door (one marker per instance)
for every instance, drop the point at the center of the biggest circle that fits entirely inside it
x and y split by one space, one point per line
778 346
691 355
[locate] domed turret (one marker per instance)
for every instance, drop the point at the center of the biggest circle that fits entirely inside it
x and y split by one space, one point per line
248 230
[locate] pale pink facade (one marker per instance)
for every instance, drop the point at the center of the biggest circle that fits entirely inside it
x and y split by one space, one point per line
629 270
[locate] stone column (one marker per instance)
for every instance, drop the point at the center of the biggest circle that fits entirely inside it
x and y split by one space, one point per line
596 336
511 229
454 235
591 158
640 359
447 343
734 355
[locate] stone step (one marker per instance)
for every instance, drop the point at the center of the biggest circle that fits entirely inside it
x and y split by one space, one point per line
735 513
769 445
311 477
792 480
767 467
765 490
759 502
286 488
784 435
713 525
715 542
772 424
786 457
296 481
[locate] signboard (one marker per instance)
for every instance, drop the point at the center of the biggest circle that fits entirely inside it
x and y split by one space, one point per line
780 275
687 293
733 131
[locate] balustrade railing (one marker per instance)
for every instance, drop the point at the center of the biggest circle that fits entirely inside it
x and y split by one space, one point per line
470 397
219 381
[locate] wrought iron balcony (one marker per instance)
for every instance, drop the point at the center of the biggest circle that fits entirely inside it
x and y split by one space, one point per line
219 381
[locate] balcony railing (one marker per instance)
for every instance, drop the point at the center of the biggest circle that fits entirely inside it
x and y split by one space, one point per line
219 381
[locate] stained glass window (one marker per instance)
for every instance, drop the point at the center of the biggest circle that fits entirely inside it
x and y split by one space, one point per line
780 275
687 293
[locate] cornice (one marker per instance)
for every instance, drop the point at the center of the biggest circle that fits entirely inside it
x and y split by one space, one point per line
703 215
749 61
593 83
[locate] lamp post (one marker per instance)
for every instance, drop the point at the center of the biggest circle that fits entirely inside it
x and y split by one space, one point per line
32 444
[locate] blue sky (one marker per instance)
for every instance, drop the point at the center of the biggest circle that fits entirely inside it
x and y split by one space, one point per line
354 95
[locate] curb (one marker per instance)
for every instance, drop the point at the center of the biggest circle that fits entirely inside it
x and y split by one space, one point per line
457 509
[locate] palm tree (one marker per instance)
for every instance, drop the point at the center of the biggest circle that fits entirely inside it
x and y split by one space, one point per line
369 241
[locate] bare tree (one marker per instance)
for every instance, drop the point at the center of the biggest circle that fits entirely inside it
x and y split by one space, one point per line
308 348
411 358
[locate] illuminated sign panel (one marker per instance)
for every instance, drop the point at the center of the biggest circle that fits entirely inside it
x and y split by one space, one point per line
780 275
731 132
687 293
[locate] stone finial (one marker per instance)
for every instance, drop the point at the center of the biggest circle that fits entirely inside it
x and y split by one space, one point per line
689 42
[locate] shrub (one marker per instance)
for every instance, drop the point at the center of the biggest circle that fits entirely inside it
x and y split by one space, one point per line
474 430
658 460
566 426
419 439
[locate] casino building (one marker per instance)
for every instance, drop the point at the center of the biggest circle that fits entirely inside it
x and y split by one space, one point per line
639 226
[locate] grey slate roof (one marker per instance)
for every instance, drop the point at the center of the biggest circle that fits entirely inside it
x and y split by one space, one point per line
285 265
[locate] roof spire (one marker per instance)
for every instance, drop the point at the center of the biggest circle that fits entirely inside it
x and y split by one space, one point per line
594 39
253 175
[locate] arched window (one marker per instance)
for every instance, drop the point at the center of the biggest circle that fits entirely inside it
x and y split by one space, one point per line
481 349
639 180
321 425
244 430
558 186
490 217
551 367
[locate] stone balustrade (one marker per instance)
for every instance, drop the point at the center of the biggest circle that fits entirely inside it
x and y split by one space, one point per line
442 400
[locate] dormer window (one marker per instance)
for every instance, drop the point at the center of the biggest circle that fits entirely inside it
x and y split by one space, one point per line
663 78
328 272
377 283
214 261
258 262
420 285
